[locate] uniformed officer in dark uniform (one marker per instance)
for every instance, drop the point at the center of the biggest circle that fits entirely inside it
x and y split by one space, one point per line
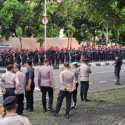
30 85
118 64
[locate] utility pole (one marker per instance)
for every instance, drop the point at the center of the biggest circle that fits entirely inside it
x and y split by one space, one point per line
107 34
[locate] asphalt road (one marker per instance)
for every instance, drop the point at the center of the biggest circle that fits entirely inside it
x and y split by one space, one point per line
103 78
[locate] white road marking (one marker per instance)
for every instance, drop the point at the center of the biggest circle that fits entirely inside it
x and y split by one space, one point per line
103 81
91 83
114 80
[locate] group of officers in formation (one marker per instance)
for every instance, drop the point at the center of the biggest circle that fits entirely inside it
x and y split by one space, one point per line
16 85
58 56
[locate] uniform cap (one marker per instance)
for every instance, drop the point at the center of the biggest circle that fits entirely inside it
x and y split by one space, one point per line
11 100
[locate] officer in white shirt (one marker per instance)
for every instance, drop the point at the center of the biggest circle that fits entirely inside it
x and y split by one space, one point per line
75 69
11 118
8 82
67 85
45 81
20 88
84 72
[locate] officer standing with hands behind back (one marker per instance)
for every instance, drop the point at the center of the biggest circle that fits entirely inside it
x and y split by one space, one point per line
67 86
84 72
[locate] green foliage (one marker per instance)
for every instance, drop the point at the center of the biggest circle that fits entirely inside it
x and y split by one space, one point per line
12 14
52 31
70 29
83 19
40 40
19 31
39 30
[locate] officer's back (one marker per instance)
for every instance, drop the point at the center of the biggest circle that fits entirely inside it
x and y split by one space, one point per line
11 118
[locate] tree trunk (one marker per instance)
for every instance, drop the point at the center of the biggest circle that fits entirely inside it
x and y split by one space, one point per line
20 39
68 42
41 43
94 41
71 41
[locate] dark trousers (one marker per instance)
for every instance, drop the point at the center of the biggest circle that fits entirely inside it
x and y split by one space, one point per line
117 75
44 91
9 92
84 86
20 103
61 96
29 99
74 95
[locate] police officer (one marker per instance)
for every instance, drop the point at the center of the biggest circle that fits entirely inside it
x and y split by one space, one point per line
84 71
18 57
67 86
11 118
8 82
118 64
45 81
29 86
74 94
20 88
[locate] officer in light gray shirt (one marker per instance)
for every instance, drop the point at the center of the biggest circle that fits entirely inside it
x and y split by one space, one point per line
20 88
67 84
84 72
11 118
75 69
8 82
45 82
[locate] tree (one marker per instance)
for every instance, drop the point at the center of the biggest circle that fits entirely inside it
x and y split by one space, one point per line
106 13
12 14
65 13
40 34
40 40
70 29
19 33
82 19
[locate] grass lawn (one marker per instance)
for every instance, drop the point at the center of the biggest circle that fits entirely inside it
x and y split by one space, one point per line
105 108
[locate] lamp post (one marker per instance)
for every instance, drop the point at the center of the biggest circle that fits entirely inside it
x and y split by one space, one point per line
45 26
0 31
45 22
107 34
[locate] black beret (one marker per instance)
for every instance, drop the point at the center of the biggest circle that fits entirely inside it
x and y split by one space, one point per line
11 100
